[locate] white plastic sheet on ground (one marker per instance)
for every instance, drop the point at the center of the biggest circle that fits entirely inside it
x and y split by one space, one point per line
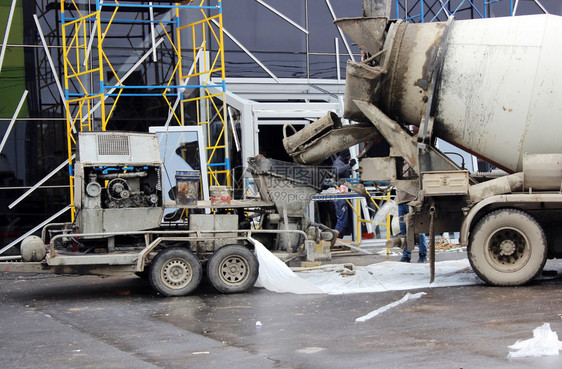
275 276
380 310
544 343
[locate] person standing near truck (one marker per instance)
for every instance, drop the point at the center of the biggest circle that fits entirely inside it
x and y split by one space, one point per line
402 199
342 169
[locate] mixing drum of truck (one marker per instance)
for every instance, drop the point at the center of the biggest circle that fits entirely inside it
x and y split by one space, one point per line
490 87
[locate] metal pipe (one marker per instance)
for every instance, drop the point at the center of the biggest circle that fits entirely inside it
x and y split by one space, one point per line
31 231
18 200
7 33
283 16
50 59
340 31
11 125
248 52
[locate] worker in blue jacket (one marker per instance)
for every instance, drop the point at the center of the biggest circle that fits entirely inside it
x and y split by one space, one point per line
342 169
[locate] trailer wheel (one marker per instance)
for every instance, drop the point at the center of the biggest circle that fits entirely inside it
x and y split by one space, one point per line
233 269
507 248
175 272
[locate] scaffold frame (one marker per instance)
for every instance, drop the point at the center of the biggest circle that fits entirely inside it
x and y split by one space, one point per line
439 10
91 96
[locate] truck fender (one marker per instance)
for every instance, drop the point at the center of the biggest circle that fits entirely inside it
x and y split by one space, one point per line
473 212
505 200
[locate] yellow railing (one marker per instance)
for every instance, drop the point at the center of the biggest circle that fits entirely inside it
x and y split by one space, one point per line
357 210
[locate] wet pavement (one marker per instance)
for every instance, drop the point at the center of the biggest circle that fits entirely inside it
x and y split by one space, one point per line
90 322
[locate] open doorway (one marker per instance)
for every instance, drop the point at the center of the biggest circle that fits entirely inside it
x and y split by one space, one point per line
270 138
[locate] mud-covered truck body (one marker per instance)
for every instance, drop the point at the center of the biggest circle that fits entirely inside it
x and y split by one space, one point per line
492 87
118 225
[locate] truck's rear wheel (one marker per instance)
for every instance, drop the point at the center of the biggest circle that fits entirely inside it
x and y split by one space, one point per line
232 269
507 248
175 272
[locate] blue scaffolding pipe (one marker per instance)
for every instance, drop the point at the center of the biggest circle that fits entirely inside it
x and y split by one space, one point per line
490 2
107 20
412 17
105 5
69 95
398 6
161 86
421 16
105 87
180 88
473 7
442 9
126 94
226 164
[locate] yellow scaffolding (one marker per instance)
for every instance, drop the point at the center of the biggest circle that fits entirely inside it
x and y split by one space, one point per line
80 72
218 162
86 63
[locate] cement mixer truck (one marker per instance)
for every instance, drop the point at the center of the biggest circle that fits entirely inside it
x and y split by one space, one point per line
491 87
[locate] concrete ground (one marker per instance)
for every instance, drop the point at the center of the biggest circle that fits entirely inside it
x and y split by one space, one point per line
90 322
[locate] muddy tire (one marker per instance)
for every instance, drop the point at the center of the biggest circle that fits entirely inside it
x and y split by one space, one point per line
175 272
233 269
507 248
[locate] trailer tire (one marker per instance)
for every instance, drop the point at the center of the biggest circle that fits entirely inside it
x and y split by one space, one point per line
175 272
233 269
507 248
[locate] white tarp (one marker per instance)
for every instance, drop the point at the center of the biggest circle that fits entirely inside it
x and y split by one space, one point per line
275 276
544 343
